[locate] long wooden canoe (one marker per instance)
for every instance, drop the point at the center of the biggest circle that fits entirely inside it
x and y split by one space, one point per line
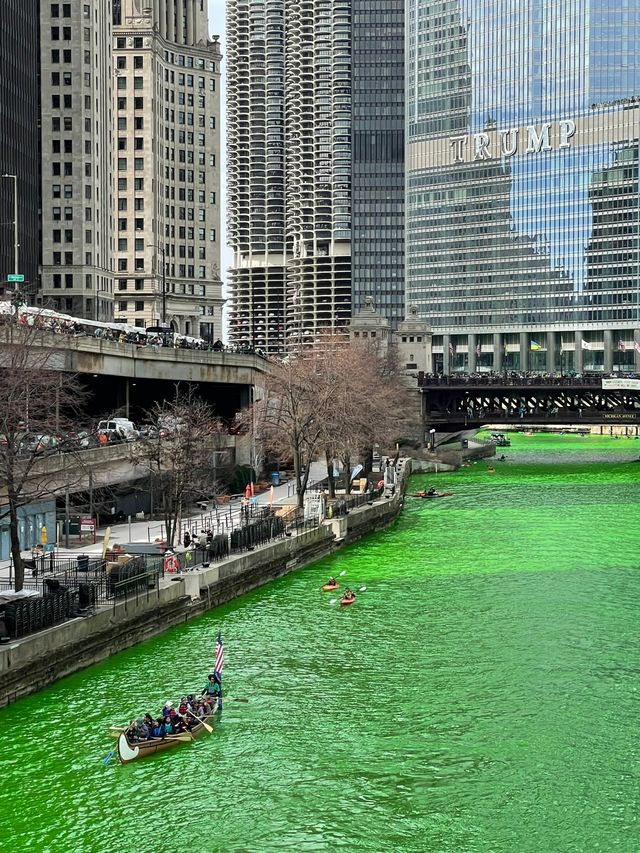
133 750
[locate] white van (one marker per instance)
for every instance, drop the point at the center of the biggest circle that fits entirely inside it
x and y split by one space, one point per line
125 427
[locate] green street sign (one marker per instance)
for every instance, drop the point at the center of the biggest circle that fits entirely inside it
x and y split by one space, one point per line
15 278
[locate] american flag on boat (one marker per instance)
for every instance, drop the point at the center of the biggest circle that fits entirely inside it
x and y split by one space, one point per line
219 665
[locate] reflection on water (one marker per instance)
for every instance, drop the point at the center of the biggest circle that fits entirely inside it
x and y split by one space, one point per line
481 695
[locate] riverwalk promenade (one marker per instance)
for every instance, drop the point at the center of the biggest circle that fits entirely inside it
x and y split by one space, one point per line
29 663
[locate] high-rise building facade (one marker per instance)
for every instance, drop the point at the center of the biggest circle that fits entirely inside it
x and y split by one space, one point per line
315 116
19 144
256 172
378 156
77 157
167 163
523 126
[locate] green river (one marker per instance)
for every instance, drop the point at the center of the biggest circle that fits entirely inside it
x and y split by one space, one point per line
483 694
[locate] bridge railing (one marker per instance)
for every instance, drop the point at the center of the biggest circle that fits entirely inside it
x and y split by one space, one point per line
592 380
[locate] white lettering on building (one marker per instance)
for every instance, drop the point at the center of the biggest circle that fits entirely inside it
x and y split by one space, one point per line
538 142
505 143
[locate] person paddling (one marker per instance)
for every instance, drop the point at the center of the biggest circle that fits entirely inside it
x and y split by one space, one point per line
349 595
213 688
332 582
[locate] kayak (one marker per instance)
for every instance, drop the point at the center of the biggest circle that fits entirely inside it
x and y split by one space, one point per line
346 601
329 587
437 495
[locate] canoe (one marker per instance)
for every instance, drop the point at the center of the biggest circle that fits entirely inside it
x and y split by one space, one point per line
329 587
437 495
132 751
345 602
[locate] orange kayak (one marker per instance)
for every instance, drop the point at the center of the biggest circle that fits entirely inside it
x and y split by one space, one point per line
329 587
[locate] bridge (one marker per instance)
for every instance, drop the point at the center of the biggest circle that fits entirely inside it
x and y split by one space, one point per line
129 378
460 403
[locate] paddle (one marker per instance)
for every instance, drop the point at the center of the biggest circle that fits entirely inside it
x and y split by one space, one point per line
207 727
108 757
343 573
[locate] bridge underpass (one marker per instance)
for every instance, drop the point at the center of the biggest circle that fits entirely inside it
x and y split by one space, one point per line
456 406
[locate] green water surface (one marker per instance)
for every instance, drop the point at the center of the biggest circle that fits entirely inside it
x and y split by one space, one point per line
481 695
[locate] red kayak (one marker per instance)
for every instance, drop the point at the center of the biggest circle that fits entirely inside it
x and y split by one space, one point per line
437 495
346 601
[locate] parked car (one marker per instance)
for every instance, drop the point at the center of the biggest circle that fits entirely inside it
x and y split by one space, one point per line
121 426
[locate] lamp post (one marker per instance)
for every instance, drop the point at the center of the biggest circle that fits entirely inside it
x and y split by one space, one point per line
432 439
163 318
15 221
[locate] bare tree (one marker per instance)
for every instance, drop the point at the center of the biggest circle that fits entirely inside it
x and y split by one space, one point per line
38 406
179 451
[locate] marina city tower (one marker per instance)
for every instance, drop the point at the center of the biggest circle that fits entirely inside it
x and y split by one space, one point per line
523 214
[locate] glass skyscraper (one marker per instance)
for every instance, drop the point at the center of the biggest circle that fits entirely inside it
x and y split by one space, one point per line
523 214
377 243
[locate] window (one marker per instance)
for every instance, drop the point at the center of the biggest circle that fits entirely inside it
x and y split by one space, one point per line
138 61
121 62
56 213
68 190
122 244
68 258
55 33
67 100
122 224
122 122
55 146
122 266
138 203
56 236
138 123
55 56
121 43
138 184
68 214
139 264
138 103
67 123
122 164
68 235
55 124
122 204
137 43
68 280
66 78
56 190
138 82
138 143
55 102
57 280
55 10
122 184
139 224
122 305
139 305
122 284
66 56
122 103
138 164
57 259
66 10
122 83
139 245
139 284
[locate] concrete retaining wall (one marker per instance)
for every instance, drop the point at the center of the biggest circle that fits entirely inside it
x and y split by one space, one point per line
29 664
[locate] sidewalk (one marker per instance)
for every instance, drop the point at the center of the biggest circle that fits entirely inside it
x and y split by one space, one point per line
138 531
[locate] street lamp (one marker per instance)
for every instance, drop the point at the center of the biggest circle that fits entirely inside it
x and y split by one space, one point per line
164 281
432 442
15 221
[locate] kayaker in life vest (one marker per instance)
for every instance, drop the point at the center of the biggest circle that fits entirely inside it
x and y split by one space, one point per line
349 595
331 582
431 491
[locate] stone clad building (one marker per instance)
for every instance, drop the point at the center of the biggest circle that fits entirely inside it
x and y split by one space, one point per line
167 166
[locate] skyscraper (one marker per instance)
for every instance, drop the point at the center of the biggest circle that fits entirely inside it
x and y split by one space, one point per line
378 156
523 120
167 107
77 157
19 142
315 126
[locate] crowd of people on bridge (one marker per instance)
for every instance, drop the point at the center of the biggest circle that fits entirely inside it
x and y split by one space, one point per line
45 320
517 377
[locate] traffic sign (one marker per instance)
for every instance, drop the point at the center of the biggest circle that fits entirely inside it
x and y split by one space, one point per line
15 278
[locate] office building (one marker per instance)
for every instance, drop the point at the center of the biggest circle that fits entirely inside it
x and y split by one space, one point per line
77 157
378 156
19 145
315 129
523 120
167 164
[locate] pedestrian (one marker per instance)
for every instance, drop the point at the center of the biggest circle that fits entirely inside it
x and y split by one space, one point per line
186 541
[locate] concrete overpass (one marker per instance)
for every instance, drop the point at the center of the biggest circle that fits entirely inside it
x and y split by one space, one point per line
128 378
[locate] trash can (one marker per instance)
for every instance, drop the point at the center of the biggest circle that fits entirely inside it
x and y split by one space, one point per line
275 478
83 562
